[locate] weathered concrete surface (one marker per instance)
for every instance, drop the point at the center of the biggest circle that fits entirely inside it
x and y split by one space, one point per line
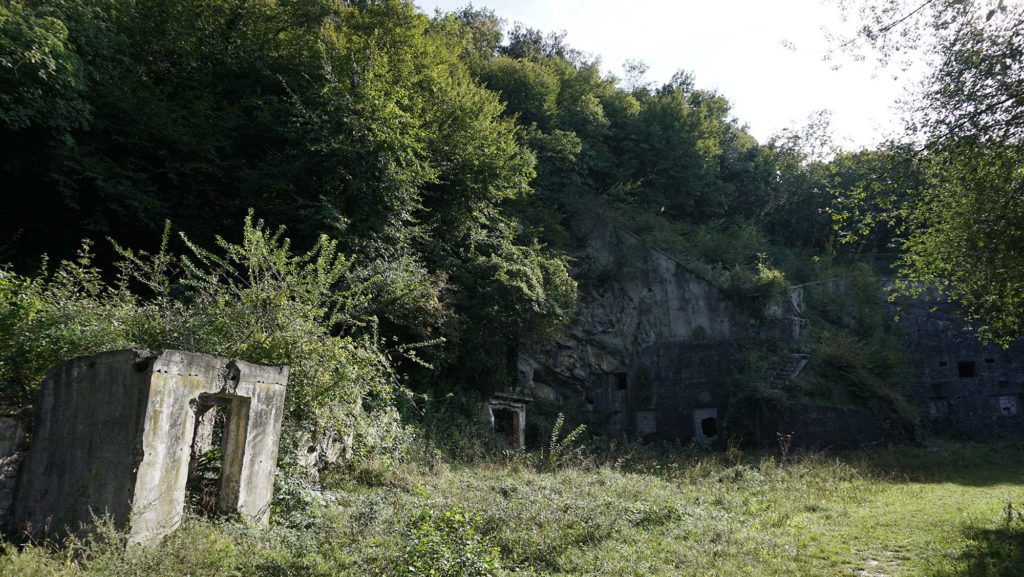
113 435
652 343
966 388
12 436
819 426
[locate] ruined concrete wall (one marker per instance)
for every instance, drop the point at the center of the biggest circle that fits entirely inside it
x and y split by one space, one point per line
86 442
965 388
644 320
631 297
818 426
250 445
113 434
689 377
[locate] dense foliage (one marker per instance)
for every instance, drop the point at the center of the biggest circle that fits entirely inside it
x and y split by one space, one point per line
253 300
429 164
961 226
358 120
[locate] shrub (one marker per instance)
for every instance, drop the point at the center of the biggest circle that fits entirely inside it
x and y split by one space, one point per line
255 300
448 544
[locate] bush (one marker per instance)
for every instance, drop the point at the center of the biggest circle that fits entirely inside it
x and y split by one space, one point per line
448 544
255 300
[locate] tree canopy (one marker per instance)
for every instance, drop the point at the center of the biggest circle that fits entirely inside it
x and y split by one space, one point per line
960 226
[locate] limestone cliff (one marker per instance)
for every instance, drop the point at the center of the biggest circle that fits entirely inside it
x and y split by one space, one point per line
634 301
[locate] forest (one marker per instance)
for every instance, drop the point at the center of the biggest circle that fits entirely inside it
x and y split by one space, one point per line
378 198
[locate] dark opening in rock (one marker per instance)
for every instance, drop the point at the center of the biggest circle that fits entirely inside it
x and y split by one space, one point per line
709 427
621 381
966 369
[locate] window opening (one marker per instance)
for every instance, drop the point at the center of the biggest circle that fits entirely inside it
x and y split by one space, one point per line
966 369
621 381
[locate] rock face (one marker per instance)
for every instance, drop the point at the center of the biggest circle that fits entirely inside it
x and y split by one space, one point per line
119 433
652 350
652 342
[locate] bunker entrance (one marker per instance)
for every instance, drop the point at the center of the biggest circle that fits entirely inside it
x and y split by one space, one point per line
705 425
505 424
709 427
215 460
506 415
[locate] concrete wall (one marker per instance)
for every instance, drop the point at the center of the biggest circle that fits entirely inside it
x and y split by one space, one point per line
86 442
660 324
687 377
966 388
113 435
821 426
645 317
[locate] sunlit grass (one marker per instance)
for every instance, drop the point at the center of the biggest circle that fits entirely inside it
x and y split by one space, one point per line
939 511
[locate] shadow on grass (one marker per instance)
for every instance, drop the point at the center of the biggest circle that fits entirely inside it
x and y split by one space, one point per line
968 464
990 553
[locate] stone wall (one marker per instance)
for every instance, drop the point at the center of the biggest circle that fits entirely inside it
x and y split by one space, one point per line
966 388
651 343
818 426
691 383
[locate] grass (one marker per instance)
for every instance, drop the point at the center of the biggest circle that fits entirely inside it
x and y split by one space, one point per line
944 510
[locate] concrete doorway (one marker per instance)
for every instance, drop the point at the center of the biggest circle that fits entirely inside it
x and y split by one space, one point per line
706 427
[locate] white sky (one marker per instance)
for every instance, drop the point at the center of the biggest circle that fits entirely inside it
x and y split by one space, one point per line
733 46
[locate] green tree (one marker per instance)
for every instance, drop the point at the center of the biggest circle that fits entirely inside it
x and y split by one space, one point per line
360 120
961 228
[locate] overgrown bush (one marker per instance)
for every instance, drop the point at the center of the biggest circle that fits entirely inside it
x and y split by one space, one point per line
256 300
448 544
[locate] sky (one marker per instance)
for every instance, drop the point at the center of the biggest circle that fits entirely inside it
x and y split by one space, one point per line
765 56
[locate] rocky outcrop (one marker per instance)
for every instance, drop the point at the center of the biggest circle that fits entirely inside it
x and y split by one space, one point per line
631 297
651 346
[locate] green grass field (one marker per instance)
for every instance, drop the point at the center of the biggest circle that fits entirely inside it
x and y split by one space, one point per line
939 511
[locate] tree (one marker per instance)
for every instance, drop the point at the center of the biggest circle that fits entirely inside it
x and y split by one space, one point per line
361 120
962 229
